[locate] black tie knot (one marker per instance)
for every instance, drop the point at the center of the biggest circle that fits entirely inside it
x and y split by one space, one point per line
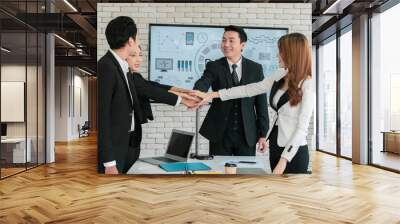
234 66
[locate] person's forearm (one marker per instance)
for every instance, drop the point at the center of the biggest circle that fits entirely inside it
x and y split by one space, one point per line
215 95
181 90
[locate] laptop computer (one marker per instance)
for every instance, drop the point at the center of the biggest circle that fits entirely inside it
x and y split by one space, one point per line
177 150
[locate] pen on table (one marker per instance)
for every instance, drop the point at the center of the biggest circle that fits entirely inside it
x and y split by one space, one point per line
250 162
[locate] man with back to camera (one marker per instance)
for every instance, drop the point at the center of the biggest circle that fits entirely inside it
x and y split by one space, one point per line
234 127
119 111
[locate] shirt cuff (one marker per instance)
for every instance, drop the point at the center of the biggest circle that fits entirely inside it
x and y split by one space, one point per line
178 101
223 95
289 152
110 164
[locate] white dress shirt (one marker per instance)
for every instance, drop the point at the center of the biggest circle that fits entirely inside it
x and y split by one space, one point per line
238 68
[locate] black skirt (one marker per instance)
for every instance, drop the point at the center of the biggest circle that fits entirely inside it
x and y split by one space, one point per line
300 161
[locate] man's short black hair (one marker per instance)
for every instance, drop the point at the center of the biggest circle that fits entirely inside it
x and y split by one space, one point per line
239 30
119 30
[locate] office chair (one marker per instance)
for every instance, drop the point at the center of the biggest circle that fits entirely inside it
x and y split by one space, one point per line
84 130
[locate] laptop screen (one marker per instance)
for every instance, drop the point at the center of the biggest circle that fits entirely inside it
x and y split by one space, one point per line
3 129
179 143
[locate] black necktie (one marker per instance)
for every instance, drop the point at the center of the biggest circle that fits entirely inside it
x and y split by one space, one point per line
235 77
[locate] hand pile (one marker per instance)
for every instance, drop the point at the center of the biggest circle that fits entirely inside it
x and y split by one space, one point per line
192 99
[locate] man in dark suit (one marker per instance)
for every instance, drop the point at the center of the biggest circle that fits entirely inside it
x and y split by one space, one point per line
234 127
119 111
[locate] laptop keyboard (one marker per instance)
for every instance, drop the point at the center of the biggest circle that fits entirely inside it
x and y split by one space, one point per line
164 159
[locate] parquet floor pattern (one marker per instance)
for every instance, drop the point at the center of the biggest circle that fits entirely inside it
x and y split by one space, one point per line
70 191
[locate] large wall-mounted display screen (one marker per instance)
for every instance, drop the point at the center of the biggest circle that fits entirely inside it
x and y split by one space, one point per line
179 53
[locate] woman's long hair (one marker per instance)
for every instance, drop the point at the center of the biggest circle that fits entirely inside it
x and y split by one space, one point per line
295 52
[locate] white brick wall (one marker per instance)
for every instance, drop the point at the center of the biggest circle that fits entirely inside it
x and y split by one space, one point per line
294 16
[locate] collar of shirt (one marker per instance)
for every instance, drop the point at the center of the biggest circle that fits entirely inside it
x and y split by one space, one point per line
238 68
239 64
122 63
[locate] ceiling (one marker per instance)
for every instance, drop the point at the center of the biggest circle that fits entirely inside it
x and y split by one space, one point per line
333 15
76 22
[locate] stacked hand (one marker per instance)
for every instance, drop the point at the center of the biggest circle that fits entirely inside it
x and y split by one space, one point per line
205 97
193 99
187 99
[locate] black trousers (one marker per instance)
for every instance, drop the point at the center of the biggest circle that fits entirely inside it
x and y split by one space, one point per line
233 144
299 163
133 152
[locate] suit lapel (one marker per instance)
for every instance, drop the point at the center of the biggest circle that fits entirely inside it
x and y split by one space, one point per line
274 88
228 75
283 99
121 75
244 79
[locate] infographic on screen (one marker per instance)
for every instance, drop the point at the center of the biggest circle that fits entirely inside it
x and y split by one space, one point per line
179 54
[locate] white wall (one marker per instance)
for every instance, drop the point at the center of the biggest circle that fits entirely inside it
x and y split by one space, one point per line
67 116
33 126
17 73
295 17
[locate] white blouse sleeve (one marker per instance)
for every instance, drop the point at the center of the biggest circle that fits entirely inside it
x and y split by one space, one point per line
252 89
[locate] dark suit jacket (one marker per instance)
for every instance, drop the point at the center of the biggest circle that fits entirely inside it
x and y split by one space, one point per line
254 109
147 90
114 110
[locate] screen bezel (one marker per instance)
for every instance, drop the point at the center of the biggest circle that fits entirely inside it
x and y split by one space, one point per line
191 134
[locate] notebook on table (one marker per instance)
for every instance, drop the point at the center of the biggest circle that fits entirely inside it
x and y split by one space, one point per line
175 167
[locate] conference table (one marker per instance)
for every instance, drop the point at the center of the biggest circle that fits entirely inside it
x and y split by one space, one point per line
217 165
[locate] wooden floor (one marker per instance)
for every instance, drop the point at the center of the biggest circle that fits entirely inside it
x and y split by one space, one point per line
70 191
5 172
387 159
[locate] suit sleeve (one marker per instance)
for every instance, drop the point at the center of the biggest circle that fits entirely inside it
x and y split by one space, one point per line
206 80
148 90
162 86
261 109
106 85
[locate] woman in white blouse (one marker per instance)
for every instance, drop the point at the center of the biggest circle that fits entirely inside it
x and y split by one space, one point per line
292 98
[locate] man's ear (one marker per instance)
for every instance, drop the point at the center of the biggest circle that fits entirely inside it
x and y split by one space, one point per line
131 41
243 45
